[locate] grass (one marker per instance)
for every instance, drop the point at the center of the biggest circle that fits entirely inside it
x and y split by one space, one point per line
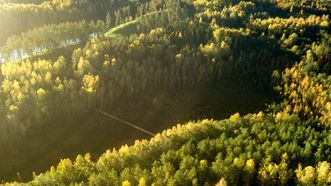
123 29
128 28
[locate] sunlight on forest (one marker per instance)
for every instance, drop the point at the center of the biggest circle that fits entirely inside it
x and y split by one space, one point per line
184 92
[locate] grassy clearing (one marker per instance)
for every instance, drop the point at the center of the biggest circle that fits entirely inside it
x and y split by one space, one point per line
123 29
130 27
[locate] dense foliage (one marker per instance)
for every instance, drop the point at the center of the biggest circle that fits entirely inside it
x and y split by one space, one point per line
51 36
249 150
17 17
64 59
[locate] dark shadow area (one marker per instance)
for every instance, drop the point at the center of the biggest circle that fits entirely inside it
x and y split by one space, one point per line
95 133
245 87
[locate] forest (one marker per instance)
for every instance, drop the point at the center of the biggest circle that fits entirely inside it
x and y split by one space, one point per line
232 92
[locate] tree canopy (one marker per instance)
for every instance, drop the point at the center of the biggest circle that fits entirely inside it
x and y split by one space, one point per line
65 59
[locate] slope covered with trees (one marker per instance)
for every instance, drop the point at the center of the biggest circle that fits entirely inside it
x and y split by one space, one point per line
251 150
147 61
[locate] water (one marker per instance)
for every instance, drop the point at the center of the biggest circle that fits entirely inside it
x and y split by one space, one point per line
2 59
20 54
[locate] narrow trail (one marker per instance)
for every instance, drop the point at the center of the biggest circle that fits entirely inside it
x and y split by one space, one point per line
126 123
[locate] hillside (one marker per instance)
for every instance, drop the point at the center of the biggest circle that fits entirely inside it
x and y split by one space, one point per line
156 63
250 150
